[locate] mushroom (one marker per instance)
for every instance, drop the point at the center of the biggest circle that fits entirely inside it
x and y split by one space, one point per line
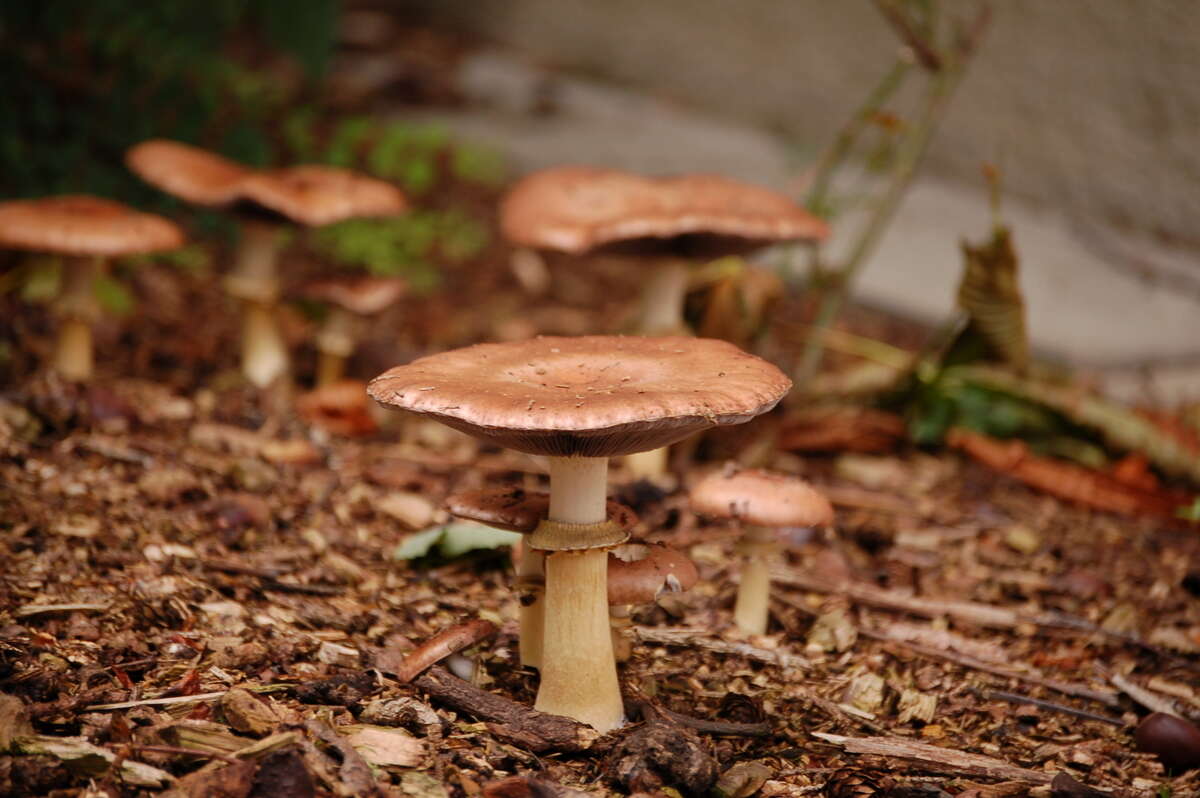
87 230
264 201
350 300
518 510
673 220
764 502
638 573
579 401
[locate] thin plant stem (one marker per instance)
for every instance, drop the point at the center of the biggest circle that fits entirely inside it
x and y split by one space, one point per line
847 137
912 152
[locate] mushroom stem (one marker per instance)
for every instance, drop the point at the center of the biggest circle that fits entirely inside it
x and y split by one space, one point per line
531 572
331 367
258 252
578 489
264 353
754 592
335 343
73 351
579 674
620 619
662 299
648 465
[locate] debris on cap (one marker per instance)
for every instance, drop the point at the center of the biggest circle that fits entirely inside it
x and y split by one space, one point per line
320 195
593 396
83 225
639 573
190 173
519 510
578 208
365 295
762 498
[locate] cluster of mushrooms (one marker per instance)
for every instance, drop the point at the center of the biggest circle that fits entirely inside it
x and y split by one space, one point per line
572 403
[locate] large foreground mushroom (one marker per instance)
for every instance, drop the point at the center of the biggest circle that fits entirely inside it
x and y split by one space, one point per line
579 401
88 231
764 502
264 201
676 222
518 510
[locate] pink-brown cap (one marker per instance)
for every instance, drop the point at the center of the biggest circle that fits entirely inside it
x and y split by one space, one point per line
592 396
578 208
519 510
190 173
762 498
639 573
82 225
362 295
320 195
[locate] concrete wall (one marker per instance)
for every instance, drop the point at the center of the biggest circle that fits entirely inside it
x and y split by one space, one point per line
1091 107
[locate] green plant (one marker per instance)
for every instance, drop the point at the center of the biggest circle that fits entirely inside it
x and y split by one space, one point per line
942 50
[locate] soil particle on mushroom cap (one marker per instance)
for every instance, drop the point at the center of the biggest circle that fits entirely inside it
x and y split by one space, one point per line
592 396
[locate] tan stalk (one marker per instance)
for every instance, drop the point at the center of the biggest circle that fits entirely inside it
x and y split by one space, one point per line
264 352
648 465
579 674
73 351
531 583
335 343
663 297
750 611
620 621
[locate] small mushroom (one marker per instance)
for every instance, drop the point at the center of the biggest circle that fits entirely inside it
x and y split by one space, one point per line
340 408
639 573
579 401
87 231
350 300
518 510
265 201
765 503
675 222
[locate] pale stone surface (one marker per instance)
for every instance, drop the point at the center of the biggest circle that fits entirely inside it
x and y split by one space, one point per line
1085 303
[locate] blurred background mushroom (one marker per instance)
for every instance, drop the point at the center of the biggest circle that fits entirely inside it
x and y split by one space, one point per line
85 231
265 202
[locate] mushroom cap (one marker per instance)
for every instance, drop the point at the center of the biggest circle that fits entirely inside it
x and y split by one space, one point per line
638 573
362 295
518 510
190 173
762 498
83 225
578 208
320 195
592 396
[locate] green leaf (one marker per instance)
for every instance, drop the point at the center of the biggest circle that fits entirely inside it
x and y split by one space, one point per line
474 163
42 280
453 540
113 296
1190 512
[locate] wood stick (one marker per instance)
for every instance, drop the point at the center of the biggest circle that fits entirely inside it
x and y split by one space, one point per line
443 644
944 760
535 731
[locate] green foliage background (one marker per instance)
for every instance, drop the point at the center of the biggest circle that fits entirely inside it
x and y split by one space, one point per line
84 79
